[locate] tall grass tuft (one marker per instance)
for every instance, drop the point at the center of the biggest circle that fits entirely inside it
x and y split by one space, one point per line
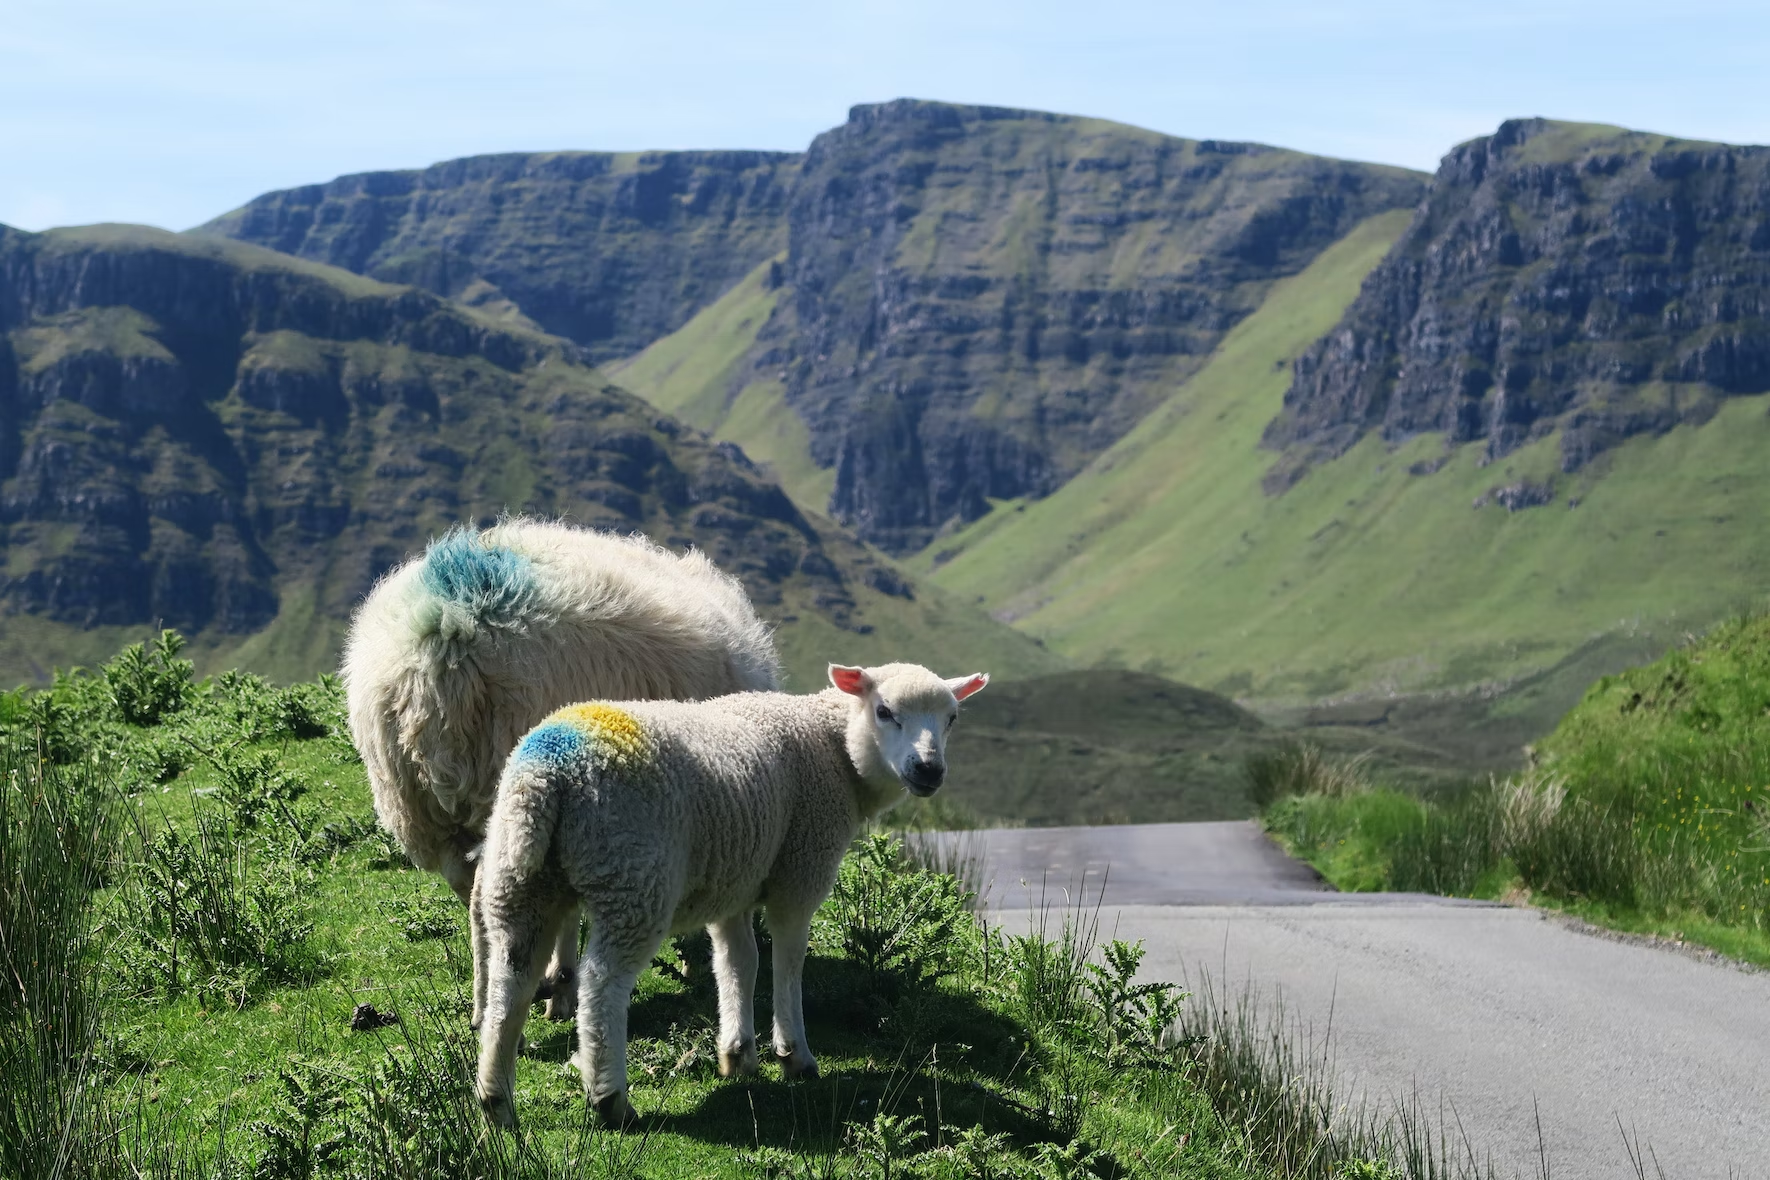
1276 1082
1301 768
57 828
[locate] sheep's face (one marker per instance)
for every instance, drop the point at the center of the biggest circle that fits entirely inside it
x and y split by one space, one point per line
901 715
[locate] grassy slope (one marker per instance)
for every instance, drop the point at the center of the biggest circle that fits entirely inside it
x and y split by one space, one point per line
207 1074
934 629
1665 827
1165 554
690 373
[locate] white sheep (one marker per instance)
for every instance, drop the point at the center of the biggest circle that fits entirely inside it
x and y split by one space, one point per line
456 654
662 816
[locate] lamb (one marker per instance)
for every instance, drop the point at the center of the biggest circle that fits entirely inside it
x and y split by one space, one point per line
662 816
455 655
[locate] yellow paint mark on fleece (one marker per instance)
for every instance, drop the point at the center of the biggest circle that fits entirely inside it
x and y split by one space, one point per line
616 736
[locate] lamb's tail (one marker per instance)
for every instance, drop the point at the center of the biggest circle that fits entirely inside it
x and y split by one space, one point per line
524 819
471 585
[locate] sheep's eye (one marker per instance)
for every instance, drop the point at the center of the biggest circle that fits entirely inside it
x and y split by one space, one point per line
949 722
885 714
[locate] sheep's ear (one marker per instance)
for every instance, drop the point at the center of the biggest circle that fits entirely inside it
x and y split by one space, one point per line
853 681
964 686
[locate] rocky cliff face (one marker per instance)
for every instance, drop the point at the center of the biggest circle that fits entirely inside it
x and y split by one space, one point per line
982 299
609 250
1558 276
198 432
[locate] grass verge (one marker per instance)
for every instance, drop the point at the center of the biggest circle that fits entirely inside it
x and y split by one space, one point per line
1646 810
218 966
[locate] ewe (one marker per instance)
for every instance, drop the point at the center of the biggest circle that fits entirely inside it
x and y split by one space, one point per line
456 654
662 816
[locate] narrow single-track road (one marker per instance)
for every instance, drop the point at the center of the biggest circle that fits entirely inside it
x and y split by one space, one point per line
1505 1020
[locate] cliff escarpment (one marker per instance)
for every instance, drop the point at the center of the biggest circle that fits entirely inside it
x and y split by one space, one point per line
204 434
980 300
611 250
1558 277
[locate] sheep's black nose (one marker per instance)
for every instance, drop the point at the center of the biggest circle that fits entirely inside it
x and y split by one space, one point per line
925 776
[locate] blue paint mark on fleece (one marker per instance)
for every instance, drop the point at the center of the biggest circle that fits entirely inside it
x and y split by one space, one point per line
551 742
490 583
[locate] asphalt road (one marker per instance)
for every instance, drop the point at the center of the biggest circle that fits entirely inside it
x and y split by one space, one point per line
1494 1018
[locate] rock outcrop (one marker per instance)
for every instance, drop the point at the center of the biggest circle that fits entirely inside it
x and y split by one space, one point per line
611 250
981 299
1558 277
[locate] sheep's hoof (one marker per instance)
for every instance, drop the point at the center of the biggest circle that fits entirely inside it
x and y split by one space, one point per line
499 1109
561 992
615 1110
795 1066
742 1061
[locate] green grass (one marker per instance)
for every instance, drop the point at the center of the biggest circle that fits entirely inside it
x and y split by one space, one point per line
945 1047
1647 810
932 628
700 374
689 372
1363 579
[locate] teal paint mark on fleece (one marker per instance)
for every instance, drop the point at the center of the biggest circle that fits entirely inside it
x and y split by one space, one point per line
550 742
489 583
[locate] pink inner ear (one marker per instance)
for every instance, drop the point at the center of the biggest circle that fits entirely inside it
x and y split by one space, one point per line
970 686
852 681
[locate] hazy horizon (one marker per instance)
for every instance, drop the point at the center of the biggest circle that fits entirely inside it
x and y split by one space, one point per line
111 113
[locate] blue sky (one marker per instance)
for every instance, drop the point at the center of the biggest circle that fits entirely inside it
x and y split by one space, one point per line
174 112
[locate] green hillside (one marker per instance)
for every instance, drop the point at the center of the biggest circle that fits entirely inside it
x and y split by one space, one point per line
209 435
699 373
1106 745
1379 571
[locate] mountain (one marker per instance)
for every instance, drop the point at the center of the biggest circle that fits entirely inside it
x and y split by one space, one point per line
212 436
975 301
1312 517
1562 278
1295 430
955 303
609 249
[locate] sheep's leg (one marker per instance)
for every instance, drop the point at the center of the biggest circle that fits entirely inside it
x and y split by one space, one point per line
734 966
515 950
561 980
790 927
612 962
462 876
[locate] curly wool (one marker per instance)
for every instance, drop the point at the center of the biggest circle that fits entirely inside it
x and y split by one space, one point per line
455 655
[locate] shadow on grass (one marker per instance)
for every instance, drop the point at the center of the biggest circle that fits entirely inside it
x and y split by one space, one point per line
935 1055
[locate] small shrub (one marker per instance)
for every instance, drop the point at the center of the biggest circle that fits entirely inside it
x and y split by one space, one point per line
148 682
894 918
1133 1020
254 787
50 730
304 1132
887 1144
202 916
1072 1161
